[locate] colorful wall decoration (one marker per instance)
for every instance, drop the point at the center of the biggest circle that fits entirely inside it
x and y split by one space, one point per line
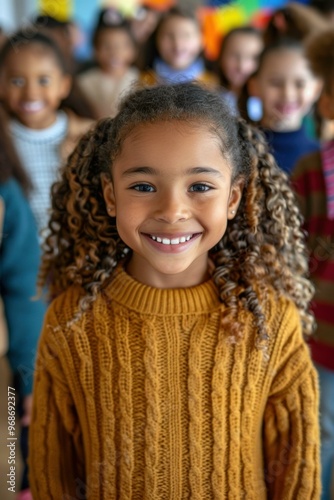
219 16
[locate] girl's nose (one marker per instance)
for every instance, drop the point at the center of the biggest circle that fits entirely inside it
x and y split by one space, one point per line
289 92
172 208
30 91
178 44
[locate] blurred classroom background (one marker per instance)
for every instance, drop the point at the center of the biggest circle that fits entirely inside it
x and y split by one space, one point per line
217 16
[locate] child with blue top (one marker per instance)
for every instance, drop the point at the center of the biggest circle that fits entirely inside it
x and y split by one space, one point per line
21 317
174 51
287 88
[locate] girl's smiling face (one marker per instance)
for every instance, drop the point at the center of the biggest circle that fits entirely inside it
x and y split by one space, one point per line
239 58
179 42
287 89
115 51
33 85
172 197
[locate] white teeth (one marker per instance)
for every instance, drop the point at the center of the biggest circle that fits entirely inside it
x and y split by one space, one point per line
33 106
174 241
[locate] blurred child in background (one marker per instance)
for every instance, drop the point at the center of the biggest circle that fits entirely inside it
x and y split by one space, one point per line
34 82
19 262
174 51
287 88
313 178
238 60
115 53
61 33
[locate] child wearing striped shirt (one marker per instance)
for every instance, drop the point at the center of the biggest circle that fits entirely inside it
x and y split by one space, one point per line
35 81
313 178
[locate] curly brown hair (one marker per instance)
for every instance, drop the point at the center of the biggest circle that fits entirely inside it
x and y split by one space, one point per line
263 247
320 53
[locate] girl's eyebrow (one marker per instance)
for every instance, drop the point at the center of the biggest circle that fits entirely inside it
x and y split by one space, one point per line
139 170
153 171
204 170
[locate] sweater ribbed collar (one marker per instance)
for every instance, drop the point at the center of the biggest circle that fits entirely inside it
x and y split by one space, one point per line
128 292
55 132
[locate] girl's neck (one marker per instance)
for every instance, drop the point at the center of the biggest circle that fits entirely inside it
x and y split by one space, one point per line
235 90
43 124
199 272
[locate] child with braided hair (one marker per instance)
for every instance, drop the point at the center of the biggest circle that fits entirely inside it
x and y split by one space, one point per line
172 362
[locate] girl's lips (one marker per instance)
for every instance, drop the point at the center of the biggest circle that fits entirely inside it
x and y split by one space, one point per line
287 108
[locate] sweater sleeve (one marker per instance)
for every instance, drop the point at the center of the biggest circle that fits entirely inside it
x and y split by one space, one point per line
56 459
20 257
291 429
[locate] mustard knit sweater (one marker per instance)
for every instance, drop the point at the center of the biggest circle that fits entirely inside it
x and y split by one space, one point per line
148 397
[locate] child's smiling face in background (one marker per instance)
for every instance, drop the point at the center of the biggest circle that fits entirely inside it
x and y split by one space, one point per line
179 42
172 198
240 58
33 85
287 88
115 50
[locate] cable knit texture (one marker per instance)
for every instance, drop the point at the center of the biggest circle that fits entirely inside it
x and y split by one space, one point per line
146 396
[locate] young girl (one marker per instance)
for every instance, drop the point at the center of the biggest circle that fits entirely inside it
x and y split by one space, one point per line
174 51
238 60
34 82
287 89
172 362
115 52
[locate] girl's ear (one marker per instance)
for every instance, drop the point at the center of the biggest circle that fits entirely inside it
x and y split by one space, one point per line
66 86
235 197
108 194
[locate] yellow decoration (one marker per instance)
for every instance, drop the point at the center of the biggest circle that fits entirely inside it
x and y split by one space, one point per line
229 17
62 10
126 7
